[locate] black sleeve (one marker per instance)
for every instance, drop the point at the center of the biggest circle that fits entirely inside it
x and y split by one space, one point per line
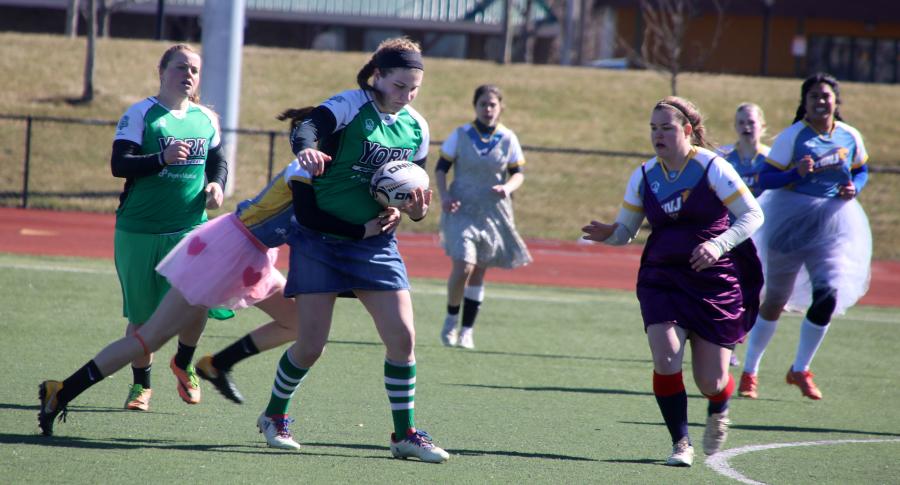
308 213
443 165
320 123
513 170
216 167
128 162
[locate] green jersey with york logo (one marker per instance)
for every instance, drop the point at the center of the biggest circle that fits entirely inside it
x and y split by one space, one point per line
172 199
364 139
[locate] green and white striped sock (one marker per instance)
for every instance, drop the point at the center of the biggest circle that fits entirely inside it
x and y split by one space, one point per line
400 383
287 379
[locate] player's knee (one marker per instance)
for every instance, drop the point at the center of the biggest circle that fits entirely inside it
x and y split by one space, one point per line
824 302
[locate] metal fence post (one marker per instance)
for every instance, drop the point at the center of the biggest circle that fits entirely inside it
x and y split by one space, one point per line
27 162
271 153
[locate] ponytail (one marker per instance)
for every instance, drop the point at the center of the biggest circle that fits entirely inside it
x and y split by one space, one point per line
295 115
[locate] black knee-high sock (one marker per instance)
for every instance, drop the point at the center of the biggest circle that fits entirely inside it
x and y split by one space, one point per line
234 353
184 355
142 375
452 310
80 381
672 400
470 311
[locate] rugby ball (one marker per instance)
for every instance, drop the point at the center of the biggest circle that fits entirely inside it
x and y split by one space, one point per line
394 181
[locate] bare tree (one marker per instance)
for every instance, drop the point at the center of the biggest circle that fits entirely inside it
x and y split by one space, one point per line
88 94
72 18
666 24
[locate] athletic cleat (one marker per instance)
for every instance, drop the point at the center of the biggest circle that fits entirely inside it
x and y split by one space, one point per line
747 387
715 433
682 453
50 408
803 380
417 444
449 335
734 362
276 431
220 379
466 340
188 382
138 398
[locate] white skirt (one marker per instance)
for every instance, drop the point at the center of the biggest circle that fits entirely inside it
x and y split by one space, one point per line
818 242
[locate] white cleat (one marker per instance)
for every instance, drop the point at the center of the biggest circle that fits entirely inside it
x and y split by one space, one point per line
418 444
277 433
448 333
716 432
682 453
466 340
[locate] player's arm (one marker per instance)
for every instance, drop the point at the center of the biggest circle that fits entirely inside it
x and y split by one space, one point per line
127 161
772 177
730 188
860 177
307 212
216 166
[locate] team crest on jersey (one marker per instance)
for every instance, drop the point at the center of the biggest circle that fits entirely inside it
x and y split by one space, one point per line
374 155
834 159
673 206
370 124
654 187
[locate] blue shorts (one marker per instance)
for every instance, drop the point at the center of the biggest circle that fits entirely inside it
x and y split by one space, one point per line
325 264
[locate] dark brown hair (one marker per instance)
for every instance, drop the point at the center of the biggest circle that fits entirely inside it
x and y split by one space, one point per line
395 44
487 89
808 84
689 115
295 115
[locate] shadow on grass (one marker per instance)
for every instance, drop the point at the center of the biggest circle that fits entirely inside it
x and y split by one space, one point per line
513 354
781 428
463 452
75 409
586 390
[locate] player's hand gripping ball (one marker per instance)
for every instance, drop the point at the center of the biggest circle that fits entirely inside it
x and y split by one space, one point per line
394 181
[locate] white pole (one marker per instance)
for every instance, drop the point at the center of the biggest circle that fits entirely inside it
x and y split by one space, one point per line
220 84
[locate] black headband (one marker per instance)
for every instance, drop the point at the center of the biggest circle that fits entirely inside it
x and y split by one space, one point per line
408 59
678 109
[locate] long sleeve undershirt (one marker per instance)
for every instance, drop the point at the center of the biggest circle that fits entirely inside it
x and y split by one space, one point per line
127 162
308 214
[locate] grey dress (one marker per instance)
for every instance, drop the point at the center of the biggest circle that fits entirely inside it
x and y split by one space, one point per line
482 231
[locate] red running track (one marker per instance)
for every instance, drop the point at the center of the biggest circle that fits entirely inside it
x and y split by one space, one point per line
556 263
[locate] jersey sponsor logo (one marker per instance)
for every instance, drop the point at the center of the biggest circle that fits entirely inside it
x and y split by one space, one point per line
172 175
123 123
833 160
374 155
197 149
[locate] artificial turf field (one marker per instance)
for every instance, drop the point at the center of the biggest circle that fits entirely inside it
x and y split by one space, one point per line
558 391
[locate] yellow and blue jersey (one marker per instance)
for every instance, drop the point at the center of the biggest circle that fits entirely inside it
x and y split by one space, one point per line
673 187
834 155
748 169
268 214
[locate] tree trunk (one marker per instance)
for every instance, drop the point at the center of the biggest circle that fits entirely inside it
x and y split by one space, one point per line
88 94
673 82
72 18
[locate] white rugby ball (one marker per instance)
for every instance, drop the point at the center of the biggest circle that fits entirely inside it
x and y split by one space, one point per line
394 181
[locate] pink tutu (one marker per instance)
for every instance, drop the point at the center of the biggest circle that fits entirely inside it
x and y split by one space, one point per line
221 264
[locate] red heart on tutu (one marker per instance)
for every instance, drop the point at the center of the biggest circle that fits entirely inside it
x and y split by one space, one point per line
251 276
196 246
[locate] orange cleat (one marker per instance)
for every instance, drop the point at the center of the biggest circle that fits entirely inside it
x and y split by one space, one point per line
747 387
138 398
803 380
188 382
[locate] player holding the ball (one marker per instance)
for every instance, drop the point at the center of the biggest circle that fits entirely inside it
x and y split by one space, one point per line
344 240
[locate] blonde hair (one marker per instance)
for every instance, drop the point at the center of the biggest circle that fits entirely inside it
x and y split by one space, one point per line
759 114
167 56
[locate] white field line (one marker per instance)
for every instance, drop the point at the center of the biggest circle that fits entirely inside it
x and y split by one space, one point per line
719 461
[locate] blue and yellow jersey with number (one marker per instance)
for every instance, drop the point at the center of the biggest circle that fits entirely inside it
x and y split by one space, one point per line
834 155
268 214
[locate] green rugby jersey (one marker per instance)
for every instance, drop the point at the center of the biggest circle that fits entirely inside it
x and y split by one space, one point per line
172 199
364 139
